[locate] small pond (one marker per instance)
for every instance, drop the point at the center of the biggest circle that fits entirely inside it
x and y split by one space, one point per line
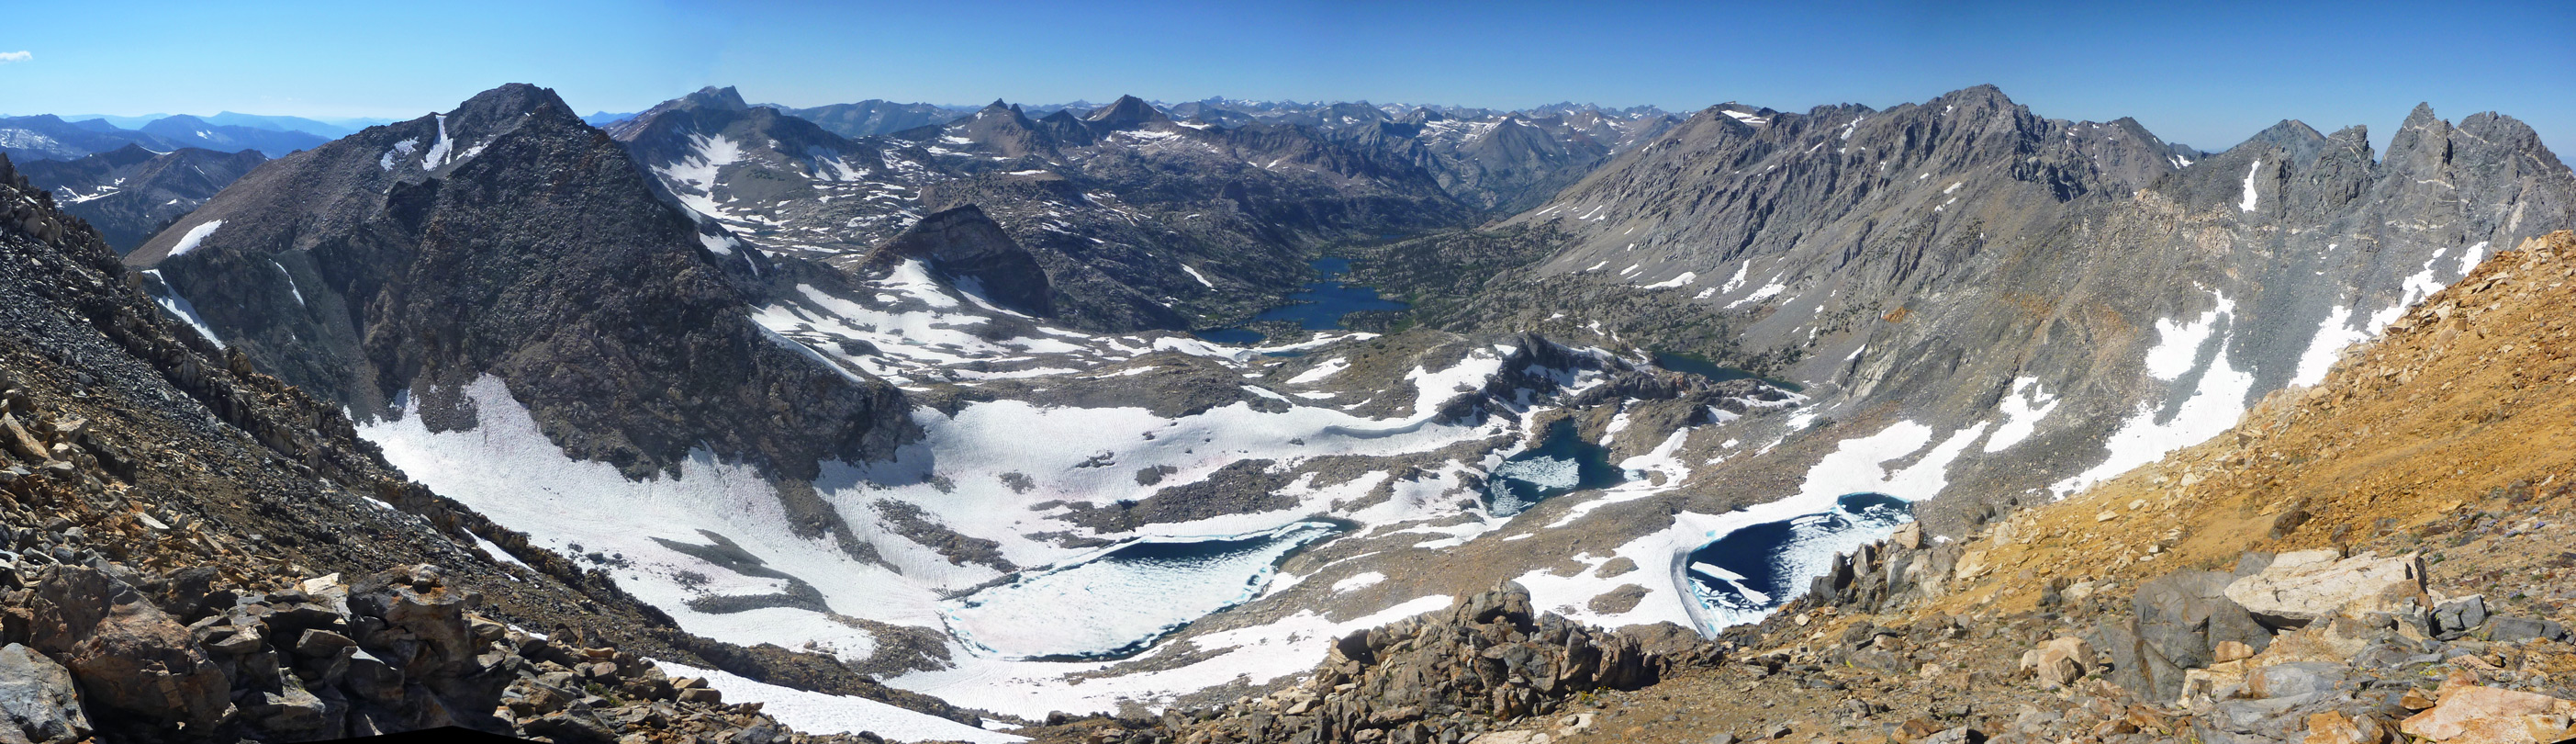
1562 463
1739 577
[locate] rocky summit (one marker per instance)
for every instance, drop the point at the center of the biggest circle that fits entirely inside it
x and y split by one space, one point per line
1224 421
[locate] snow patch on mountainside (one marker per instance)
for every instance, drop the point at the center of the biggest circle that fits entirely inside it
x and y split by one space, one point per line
693 178
2203 411
2335 333
195 236
1131 592
2248 203
178 307
1253 655
2022 413
507 469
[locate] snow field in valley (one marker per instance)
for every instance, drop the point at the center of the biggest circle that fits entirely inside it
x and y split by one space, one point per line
819 713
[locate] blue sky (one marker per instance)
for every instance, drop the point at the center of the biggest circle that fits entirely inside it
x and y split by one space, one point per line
2209 74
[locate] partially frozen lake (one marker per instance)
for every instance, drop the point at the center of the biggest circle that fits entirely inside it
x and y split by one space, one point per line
1119 601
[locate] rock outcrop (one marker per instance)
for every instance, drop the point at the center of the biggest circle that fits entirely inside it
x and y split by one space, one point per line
1441 677
975 255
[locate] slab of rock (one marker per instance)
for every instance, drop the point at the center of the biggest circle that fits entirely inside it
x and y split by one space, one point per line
2295 679
2474 714
2516 629
2302 587
37 697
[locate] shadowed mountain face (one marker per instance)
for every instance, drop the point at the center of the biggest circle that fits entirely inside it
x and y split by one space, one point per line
131 192
392 268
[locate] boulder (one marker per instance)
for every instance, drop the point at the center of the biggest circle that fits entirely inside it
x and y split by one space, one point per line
2060 662
424 633
36 697
2187 615
2302 587
2136 664
2515 629
2474 714
2459 616
126 653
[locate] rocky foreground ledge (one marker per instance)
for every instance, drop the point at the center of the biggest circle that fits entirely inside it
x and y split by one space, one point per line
89 653
1478 669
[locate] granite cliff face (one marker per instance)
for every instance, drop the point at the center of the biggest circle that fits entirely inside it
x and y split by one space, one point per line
392 268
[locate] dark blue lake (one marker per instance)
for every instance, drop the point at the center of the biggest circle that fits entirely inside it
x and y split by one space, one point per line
1562 463
1738 577
1318 307
1698 365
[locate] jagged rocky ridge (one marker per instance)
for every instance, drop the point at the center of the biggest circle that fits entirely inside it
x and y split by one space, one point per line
1967 266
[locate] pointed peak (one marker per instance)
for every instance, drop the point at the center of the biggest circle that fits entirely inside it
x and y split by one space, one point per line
999 104
2295 139
516 98
1125 111
711 97
2289 132
2423 113
1985 92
